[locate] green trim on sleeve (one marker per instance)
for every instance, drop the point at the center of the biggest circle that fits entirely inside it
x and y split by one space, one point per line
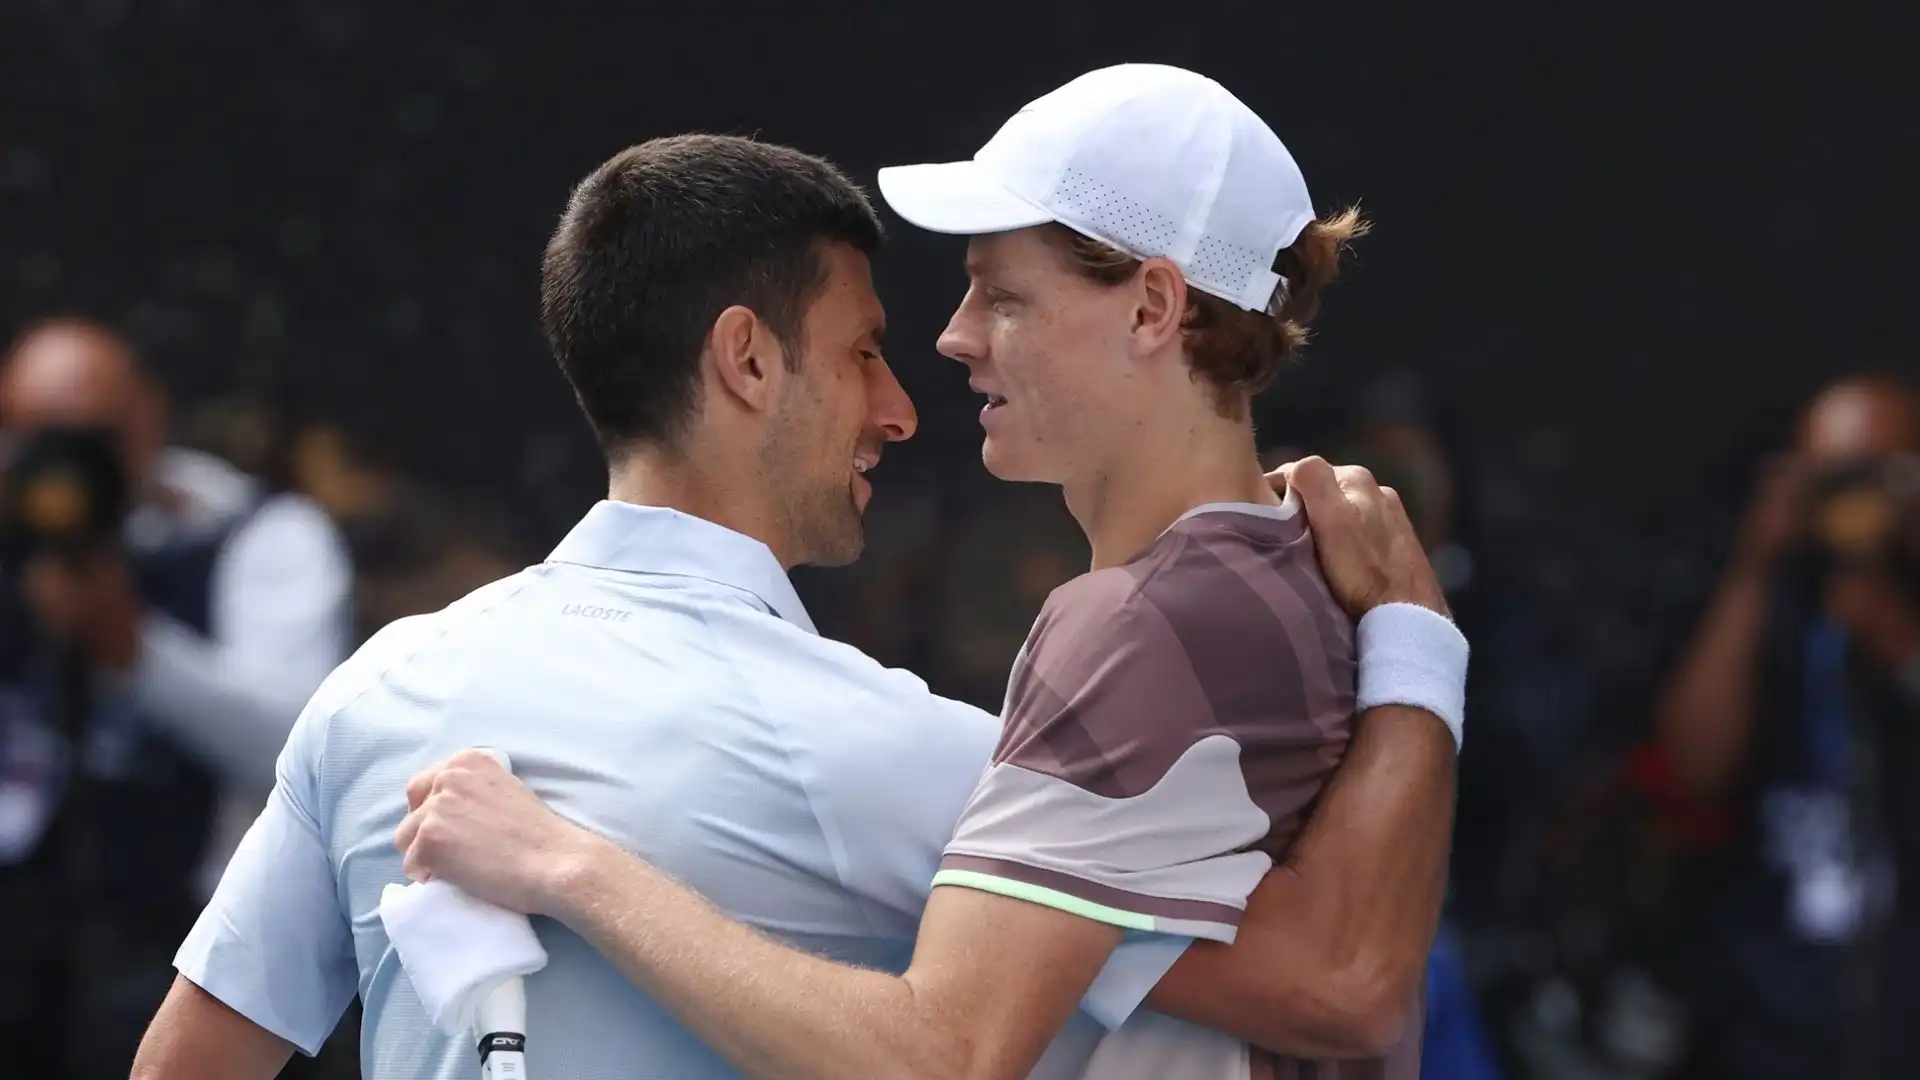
1045 897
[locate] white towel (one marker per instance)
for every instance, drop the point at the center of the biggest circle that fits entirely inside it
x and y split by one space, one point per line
456 950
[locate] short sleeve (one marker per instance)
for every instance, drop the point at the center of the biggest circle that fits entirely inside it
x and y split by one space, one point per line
886 781
1117 791
273 944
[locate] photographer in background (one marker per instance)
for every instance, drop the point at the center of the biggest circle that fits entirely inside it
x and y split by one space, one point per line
205 621
1795 707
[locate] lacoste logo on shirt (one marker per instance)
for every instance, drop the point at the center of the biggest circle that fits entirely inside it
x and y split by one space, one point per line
588 611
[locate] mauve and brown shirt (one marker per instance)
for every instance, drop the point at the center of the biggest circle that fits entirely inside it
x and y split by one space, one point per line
1168 725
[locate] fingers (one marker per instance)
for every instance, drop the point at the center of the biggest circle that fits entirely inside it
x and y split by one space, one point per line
1338 497
424 782
1357 480
424 785
403 842
1313 479
421 786
409 828
1312 475
1395 510
1340 501
1364 502
1277 478
428 795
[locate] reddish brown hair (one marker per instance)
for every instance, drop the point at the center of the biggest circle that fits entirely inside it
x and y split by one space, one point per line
1239 352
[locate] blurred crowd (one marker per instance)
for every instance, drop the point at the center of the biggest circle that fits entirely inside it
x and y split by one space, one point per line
1718 880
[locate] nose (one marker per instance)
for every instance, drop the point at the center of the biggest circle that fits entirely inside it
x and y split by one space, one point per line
962 340
893 411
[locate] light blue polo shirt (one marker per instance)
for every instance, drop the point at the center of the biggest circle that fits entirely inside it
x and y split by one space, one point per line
658 681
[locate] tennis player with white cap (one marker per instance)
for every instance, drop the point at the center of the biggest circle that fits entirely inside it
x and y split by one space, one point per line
1145 257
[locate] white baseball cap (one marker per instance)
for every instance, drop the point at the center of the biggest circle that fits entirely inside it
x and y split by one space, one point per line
1153 160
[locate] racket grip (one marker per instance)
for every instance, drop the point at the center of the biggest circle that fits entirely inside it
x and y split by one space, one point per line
501 1021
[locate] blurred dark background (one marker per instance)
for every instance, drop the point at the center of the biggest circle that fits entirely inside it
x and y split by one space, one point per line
1616 248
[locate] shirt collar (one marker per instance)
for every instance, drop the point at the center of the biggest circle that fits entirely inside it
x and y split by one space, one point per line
1288 509
656 540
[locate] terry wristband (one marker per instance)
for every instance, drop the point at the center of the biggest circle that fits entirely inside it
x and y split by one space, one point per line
1415 656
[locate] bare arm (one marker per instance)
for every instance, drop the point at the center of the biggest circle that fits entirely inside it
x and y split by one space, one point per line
993 979
197 1037
1704 715
1333 948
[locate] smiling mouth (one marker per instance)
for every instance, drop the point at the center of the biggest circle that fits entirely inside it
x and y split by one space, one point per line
994 401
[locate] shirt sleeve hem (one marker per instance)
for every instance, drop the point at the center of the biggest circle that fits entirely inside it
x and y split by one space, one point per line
198 975
1086 909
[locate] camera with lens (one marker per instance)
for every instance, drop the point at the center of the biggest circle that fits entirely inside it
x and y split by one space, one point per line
63 492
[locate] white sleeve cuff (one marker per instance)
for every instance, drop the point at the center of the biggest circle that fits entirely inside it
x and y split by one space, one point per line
1413 656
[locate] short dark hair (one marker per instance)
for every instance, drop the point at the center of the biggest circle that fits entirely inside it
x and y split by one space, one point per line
662 238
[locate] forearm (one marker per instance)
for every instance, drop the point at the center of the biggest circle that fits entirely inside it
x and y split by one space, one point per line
1333 946
197 1037
234 718
768 1009
1704 716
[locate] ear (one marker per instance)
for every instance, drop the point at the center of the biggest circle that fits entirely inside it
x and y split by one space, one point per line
744 357
1162 304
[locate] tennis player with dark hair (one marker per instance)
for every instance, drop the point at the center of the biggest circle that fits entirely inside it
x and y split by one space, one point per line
1145 257
658 682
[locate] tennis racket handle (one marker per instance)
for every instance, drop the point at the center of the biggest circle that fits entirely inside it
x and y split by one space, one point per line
501 1022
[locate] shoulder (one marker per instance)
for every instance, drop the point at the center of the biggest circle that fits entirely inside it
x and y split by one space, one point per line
400 641
1104 681
388 651
1245 598
1207 580
1123 625
1223 627
827 692
840 716
1227 573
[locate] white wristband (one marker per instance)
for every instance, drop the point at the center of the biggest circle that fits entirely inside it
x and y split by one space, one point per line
1415 656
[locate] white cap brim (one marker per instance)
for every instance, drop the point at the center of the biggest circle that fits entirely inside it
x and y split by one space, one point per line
957 197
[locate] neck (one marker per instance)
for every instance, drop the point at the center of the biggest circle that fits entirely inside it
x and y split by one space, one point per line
1153 476
713 487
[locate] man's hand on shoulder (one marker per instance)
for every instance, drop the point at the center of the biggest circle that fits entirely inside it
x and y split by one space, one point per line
473 823
1367 546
